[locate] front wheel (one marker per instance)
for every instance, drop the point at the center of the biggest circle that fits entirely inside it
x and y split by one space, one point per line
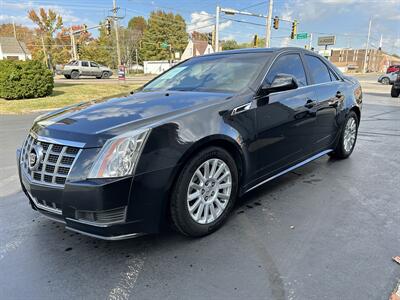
204 193
394 92
348 137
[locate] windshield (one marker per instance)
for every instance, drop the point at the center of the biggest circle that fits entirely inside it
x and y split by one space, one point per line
217 73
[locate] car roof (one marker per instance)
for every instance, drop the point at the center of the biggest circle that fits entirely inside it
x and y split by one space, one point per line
262 50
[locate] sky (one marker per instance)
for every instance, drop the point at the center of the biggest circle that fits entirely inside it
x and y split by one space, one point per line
346 19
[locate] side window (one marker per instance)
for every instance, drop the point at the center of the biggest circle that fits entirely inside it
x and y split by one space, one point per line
318 70
85 64
288 64
333 76
93 64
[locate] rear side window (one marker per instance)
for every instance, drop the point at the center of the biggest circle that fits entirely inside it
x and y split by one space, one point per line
318 70
93 64
288 64
85 64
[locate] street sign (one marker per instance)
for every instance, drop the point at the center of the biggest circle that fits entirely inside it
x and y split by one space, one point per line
164 45
326 40
302 36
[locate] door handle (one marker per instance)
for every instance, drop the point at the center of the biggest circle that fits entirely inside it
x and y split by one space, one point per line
339 94
310 103
241 108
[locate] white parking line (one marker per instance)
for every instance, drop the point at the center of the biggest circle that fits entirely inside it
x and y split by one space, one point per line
128 279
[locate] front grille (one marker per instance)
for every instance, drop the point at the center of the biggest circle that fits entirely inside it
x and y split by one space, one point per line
55 164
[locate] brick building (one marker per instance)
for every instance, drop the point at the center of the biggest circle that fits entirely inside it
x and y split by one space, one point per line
352 60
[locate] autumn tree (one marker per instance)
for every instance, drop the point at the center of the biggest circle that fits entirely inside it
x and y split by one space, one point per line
48 23
163 28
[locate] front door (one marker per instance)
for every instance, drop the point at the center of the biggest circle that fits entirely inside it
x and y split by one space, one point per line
285 120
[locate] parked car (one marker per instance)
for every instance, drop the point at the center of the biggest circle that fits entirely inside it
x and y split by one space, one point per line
76 68
395 92
182 148
393 68
388 78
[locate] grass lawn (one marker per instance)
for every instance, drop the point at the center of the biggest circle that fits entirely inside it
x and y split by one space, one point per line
65 94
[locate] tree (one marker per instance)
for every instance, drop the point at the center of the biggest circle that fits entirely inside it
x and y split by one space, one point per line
48 22
138 23
163 29
230 45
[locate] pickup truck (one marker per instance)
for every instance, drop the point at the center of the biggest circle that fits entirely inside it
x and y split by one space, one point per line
76 68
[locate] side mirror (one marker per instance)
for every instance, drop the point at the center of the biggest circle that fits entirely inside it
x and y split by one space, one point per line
281 82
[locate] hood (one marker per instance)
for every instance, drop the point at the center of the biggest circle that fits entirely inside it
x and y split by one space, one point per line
96 121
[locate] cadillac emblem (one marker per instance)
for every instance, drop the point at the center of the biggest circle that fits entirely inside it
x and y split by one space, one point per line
35 156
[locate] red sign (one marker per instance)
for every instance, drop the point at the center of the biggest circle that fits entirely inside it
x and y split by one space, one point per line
121 72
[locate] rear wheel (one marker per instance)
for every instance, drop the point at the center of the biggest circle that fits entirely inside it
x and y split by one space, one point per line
204 193
385 80
348 137
74 74
105 75
394 92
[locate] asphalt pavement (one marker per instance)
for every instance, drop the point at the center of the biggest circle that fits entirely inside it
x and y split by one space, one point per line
325 231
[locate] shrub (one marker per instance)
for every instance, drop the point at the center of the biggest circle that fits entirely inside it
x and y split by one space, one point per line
24 79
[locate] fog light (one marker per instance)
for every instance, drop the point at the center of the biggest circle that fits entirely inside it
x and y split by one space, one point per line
111 216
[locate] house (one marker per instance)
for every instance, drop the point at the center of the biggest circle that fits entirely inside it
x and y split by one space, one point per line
11 48
196 48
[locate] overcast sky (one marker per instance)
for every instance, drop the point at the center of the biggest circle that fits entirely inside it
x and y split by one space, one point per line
347 19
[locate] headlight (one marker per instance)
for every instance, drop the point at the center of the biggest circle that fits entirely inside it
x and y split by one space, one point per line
119 156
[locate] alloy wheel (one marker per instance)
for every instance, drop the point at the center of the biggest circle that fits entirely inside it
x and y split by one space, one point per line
350 133
209 191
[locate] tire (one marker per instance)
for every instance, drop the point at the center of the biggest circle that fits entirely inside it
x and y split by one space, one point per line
210 218
105 75
74 74
67 76
394 92
385 81
342 149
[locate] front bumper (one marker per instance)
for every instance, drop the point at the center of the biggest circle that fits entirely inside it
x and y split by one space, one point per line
66 204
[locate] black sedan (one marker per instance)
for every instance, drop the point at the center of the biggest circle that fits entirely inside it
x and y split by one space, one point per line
182 148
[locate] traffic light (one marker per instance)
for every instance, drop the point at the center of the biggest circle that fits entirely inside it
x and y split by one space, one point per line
210 38
85 28
255 41
294 30
108 26
276 22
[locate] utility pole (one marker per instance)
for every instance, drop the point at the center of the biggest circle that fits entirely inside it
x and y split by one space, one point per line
115 10
310 41
268 27
137 61
15 31
217 12
367 46
73 45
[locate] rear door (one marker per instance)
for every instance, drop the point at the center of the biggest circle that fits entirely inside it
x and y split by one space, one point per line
95 69
285 124
85 68
329 90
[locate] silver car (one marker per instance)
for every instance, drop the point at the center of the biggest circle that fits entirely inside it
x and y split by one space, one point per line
76 68
388 78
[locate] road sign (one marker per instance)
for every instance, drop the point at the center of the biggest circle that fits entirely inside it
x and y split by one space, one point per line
326 40
302 36
164 45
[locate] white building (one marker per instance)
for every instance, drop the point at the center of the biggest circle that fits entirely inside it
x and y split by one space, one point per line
196 48
11 48
157 66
